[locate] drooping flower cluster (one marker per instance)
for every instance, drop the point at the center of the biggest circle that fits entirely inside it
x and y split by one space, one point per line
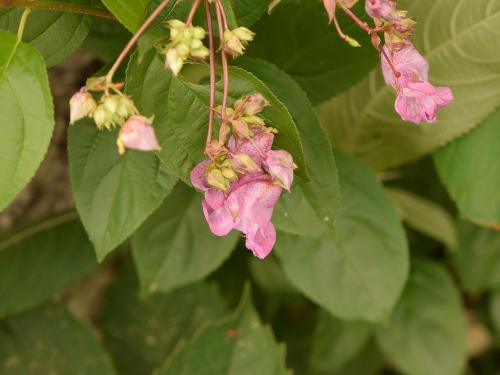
114 110
403 66
244 178
235 41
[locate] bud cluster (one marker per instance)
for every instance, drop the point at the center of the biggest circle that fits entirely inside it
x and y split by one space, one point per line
185 42
236 40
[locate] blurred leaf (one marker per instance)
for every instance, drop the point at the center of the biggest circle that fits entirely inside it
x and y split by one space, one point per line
237 345
27 119
427 333
181 112
470 170
462 51
114 194
312 206
140 336
494 311
42 259
298 39
175 247
478 257
57 35
368 362
269 276
106 39
337 342
361 275
49 341
129 12
425 216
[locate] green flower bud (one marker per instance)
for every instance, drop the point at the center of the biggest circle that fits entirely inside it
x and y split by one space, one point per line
195 44
216 179
199 33
229 173
200 53
111 103
102 117
174 61
244 34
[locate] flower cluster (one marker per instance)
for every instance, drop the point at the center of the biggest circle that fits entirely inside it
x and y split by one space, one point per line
244 177
186 41
405 68
235 41
114 110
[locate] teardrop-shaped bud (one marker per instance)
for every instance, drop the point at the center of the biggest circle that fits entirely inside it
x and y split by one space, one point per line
81 104
280 167
243 163
137 133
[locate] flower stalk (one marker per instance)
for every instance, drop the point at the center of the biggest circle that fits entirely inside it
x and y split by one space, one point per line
22 23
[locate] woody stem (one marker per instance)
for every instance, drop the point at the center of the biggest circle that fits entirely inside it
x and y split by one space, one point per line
212 71
133 40
192 12
225 69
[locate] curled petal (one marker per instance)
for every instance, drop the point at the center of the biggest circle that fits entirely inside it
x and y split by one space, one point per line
408 62
256 148
220 220
382 9
260 241
198 177
280 166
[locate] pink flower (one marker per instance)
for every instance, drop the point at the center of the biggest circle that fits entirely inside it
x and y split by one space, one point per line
256 147
382 9
280 166
137 133
247 206
81 105
408 63
419 101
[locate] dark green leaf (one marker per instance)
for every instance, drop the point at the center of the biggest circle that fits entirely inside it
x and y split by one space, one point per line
307 48
129 12
42 259
56 35
361 275
312 206
50 341
337 342
114 194
237 345
181 112
470 169
427 332
175 247
478 257
140 336
106 39
269 276
27 117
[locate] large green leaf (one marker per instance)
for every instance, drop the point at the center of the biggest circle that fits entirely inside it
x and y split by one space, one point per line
361 275
312 206
50 341
42 259
307 48
470 170
175 247
457 39
237 345
106 39
181 112
129 12
478 257
27 115
114 194
57 35
427 332
140 336
337 342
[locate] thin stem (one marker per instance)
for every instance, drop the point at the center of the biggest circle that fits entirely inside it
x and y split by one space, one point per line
355 18
223 13
192 12
133 40
225 69
212 71
22 23
58 6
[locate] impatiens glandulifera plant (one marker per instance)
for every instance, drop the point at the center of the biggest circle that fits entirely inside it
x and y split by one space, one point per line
284 127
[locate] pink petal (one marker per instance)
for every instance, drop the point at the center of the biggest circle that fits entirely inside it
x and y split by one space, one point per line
280 166
198 178
261 241
220 220
137 133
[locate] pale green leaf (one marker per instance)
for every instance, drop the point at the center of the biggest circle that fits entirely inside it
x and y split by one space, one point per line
461 42
27 115
427 332
129 12
114 194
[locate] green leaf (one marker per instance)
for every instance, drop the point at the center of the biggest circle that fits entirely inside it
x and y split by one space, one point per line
237 345
425 216
50 255
337 342
427 332
181 112
478 257
114 194
57 35
269 276
312 206
307 48
470 170
50 341
140 336
462 51
129 12
368 362
106 39
27 112
175 247
249 11
361 275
